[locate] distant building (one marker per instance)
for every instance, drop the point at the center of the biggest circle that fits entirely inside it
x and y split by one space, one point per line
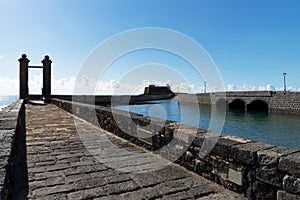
158 90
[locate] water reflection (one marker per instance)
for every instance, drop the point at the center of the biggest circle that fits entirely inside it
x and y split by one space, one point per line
272 128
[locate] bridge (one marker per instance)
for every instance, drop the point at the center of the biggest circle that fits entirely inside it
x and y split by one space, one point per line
270 101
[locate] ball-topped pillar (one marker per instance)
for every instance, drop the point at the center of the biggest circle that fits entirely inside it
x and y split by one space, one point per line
46 77
23 94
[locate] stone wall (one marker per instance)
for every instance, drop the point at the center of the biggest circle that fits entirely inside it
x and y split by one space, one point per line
258 170
285 102
12 151
105 119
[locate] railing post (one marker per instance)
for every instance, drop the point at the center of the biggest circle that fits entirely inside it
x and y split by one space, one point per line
23 93
46 77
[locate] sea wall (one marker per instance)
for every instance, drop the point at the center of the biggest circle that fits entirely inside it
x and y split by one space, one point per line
285 102
12 150
258 170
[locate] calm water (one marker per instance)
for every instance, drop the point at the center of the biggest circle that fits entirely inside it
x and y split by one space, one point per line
6 100
271 128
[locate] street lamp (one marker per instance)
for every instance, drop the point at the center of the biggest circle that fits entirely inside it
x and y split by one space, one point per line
284 81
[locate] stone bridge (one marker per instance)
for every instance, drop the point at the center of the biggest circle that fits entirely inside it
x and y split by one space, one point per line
283 102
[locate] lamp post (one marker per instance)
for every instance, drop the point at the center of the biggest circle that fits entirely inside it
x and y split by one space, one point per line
284 81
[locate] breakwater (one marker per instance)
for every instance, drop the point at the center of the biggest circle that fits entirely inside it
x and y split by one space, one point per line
280 102
258 170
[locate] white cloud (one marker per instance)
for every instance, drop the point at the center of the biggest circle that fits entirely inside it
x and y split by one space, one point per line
10 86
268 87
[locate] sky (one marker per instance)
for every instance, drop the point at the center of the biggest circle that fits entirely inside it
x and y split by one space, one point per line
251 42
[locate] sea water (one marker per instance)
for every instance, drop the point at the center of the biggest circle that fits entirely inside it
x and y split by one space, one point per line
271 128
7 100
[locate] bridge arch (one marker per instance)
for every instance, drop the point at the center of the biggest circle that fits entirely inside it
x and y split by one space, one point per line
258 105
237 104
221 103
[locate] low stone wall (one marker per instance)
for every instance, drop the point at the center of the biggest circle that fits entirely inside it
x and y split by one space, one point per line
258 170
12 134
159 132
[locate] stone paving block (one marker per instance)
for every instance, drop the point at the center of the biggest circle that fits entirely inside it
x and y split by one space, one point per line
145 193
193 181
171 172
170 187
118 178
246 153
61 196
290 164
223 196
122 187
87 194
52 190
8 124
78 170
146 179
47 183
44 175
203 190
110 197
179 195
89 183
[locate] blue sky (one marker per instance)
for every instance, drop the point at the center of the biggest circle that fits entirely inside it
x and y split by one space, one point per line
251 42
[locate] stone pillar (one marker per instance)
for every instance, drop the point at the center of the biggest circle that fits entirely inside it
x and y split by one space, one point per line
46 77
23 94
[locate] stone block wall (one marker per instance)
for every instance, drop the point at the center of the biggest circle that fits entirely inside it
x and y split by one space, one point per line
12 133
258 170
285 102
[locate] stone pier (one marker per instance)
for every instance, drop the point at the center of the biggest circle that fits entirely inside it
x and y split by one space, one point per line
60 167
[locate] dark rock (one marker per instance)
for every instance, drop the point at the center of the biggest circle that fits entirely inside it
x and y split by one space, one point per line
283 195
270 176
270 157
246 153
290 164
291 184
262 191
223 147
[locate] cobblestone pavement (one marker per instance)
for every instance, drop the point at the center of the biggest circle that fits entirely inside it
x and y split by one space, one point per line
60 167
